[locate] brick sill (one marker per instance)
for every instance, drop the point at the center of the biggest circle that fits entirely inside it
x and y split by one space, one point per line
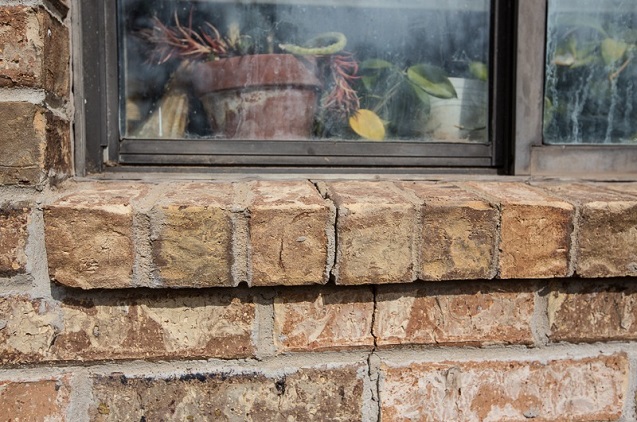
123 234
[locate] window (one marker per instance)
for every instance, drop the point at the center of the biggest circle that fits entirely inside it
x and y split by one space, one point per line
493 86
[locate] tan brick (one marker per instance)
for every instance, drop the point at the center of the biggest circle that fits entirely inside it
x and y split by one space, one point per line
593 312
587 389
13 240
166 325
89 236
27 329
291 234
34 50
535 230
307 394
375 230
454 314
42 400
606 229
459 232
323 319
192 236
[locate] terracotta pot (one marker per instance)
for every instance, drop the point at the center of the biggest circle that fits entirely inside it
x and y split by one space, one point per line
263 96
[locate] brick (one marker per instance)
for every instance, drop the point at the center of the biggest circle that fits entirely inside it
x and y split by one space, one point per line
13 240
34 50
324 319
192 236
375 231
41 400
454 314
89 236
291 234
606 229
27 329
459 233
166 325
587 389
307 394
593 312
535 230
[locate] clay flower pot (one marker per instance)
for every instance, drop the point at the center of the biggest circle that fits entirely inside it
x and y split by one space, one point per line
263 96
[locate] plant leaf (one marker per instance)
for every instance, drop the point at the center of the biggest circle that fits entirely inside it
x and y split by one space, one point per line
432 80
368 125
422 95
375 64
613 50
479 70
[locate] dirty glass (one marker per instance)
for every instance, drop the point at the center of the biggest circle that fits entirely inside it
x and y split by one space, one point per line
590 95
371 70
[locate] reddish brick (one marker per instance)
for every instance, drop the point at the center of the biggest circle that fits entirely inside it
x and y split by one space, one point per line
535 230
308 394
606 229
587 389
34 50
376 226
454 314
593 312
89 236
459 232
13 240
192 235
167 325
324 319
291 234
42 400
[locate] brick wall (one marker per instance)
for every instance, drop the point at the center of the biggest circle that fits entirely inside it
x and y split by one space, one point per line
486 299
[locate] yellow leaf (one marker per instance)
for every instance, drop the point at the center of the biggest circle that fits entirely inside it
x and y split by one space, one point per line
368 125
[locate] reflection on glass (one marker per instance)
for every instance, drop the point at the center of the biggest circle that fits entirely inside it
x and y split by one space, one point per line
410 70
591 72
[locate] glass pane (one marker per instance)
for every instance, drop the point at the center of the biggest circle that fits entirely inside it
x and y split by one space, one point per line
590 95
401 70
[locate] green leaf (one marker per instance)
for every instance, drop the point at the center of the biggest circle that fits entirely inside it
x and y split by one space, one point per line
375 64
433 80
422 95
613 50
479 70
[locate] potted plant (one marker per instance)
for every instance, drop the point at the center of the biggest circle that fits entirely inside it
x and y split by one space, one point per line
255 88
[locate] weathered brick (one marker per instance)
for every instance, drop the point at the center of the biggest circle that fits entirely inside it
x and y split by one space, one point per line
606 229
27 329
157 325
34 50
586 389
324 319
307 394
590 312
13 240
89 236
454 314
291 234
459 233
535 230
376 226
42 400
192 236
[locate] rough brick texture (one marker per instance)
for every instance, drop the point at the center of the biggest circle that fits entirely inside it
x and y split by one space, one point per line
291 234
328 319
589 389
535 230
454 314
34 50
375 228
42 400
592 311
308 394
13 240
192 236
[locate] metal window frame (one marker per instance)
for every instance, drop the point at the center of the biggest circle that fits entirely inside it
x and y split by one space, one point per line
100 149
532 157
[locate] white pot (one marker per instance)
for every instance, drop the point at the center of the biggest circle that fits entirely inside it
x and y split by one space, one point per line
463 118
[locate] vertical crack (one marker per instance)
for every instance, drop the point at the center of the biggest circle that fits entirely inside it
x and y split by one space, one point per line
331 269
374 361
